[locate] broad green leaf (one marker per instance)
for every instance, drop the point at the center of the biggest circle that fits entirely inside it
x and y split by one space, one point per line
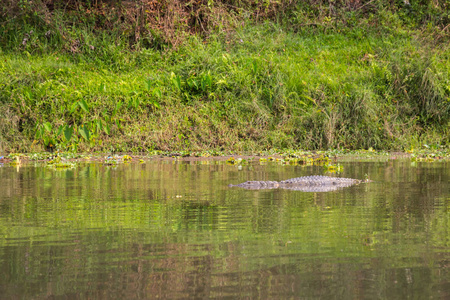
48 127
148 84
83 105
68 131
47 141
84 132
60 130
99 125
176 80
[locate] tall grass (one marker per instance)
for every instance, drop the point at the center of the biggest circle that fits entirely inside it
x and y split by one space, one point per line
373 83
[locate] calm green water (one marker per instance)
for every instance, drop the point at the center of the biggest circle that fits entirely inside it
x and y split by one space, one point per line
175 230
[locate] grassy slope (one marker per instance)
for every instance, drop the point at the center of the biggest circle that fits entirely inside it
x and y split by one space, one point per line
262 88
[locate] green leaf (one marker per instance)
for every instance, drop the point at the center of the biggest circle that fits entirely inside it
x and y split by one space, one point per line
118 106
130 103
74 107
84 132
48 127
83 105
207 81
157 92
47 140
99 125
148 84
102 87
136 102
68 131
176 80
92 127
106 128
60 130
39 133
106 117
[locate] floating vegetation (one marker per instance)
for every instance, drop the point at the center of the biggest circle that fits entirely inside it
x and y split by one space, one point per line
327 159
16 159
110 161
428 154
60 163
231 161
236 161
16 155
116 159
321 160
428 158
298 161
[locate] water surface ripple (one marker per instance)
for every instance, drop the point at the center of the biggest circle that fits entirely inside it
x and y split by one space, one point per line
175 230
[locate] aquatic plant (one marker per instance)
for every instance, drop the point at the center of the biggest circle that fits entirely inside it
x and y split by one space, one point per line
60 163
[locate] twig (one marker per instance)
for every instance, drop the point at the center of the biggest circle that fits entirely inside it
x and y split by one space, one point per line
364 5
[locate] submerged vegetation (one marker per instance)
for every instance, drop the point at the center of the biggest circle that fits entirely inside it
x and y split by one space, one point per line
224 75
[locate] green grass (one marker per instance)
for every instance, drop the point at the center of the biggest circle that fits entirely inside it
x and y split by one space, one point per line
261 88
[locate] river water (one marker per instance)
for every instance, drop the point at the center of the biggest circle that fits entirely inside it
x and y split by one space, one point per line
174 229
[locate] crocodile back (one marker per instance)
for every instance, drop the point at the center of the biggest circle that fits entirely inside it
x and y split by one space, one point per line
316 183
319 180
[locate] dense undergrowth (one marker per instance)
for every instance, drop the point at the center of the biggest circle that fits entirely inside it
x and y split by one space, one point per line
107 76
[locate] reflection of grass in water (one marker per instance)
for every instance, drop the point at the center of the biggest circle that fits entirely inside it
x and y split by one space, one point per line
99 219
346 229
62 165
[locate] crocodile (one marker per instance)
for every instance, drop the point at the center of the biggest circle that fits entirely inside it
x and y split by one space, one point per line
316 183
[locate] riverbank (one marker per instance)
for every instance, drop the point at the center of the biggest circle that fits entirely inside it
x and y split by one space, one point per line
328 159
377 83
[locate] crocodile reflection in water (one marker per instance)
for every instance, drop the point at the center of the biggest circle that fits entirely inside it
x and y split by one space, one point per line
305 184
